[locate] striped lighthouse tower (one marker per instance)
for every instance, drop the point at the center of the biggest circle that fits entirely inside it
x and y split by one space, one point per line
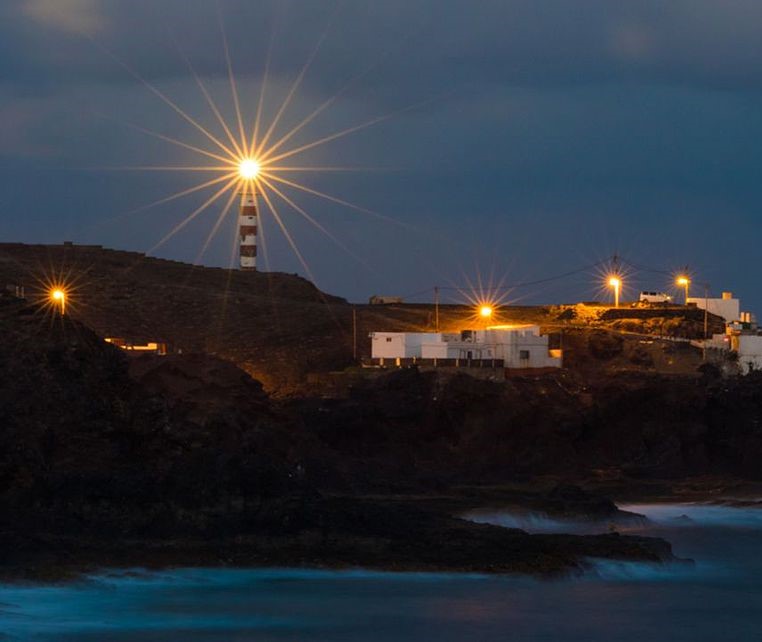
247 227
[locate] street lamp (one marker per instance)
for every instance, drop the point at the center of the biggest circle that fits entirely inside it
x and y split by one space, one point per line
616 283
58 296
485 312
684 281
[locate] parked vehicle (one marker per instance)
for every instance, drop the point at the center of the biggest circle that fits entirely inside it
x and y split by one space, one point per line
384 300
655 297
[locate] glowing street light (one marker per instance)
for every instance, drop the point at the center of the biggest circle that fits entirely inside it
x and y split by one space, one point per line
616 283
684 281
485 312
58 296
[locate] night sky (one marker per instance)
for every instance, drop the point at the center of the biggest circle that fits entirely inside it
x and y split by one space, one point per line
529 138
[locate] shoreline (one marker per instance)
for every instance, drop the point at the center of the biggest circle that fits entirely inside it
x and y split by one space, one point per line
388 534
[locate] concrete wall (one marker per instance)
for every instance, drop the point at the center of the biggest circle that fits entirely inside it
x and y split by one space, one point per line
749 348
399 345
459 350
728 309
516 347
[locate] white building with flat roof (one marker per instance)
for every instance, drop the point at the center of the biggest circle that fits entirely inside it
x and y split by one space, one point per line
727 307
748 347
515 346
400 345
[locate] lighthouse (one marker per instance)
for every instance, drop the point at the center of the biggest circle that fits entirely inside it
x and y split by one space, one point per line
247 227
247 215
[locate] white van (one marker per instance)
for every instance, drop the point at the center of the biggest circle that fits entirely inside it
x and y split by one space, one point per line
655 297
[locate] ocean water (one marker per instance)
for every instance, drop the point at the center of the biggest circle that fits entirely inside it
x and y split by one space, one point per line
720 598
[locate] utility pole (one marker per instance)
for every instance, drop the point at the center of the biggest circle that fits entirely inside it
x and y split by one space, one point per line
354 333
706 321
436 307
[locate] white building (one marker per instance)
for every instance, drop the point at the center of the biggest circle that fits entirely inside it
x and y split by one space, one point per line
515 346
727 307
400 345
748 347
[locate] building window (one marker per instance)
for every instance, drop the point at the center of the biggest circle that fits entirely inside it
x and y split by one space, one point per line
388 339
524 355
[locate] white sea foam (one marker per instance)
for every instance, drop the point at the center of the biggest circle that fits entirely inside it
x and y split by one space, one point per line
699 514
535 522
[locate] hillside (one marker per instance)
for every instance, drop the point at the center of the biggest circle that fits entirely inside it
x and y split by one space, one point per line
279 327
273 325
106 460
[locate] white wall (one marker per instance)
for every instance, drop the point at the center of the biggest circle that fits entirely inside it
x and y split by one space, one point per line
749 349
459 350
387 345
728 309
399 345
436 350
747 346
506 344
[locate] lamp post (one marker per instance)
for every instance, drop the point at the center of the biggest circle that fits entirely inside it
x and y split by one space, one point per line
436 308
685 282
59 298
616 283
485 312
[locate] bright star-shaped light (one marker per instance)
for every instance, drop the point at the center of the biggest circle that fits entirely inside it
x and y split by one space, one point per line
256 155
58 298
248 169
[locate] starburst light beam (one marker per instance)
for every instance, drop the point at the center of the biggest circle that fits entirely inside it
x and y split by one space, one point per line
289 97
233 85
287 234
313 221
194 214
251 167
161 95
223 215
210 101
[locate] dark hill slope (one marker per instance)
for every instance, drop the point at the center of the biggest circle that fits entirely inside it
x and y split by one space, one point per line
188 462
412 428
274 325
279 327
83 442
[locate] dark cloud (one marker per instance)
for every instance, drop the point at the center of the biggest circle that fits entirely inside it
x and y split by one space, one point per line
557 132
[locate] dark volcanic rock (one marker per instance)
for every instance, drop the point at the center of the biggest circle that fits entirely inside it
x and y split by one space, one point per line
85 447
283 331
186 460
408 427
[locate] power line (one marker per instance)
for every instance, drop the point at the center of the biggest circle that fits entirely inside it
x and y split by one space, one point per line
642 268
512 286
615 260
522 284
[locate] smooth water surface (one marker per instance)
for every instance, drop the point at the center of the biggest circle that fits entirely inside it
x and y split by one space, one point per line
718 599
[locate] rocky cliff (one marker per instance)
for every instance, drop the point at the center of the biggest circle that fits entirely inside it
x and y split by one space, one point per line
280 328
185 460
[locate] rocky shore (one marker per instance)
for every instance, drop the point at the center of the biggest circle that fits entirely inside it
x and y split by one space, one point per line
106 461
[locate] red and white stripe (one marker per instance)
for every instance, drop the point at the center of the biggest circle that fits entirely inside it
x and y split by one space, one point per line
247 229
